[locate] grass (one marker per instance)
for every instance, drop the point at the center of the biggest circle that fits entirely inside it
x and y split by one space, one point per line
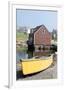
21 36
21 49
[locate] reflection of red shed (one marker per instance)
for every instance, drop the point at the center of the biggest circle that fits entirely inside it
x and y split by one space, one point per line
42 36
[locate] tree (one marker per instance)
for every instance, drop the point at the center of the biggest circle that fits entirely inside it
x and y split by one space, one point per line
54 35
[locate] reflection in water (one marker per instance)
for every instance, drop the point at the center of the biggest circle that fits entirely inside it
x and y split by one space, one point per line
21 55
30 54
45 53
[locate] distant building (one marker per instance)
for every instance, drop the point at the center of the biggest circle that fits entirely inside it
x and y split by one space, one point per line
40 37
28 31
22 29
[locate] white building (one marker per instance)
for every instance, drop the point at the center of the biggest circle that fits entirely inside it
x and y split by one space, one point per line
28 31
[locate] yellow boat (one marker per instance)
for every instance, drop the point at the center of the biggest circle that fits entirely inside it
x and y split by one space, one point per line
34 65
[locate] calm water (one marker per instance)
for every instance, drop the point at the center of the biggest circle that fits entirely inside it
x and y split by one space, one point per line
29 54
22 55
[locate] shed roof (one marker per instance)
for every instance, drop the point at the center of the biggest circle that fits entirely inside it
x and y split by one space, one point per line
33 30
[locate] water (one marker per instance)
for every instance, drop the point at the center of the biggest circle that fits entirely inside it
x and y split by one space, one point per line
22 55
29 54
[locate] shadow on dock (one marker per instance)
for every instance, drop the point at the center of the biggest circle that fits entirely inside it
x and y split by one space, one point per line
20 75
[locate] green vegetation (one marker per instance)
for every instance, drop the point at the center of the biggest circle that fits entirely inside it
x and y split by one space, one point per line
21 36
53 48
21 49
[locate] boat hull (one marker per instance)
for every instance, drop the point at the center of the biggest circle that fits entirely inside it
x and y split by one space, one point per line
36 65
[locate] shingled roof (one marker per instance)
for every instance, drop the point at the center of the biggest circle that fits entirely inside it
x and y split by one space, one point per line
33 30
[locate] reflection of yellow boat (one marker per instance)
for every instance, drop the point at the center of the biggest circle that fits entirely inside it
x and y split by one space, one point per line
34 65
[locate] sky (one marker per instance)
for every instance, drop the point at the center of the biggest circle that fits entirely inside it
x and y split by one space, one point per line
33 18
